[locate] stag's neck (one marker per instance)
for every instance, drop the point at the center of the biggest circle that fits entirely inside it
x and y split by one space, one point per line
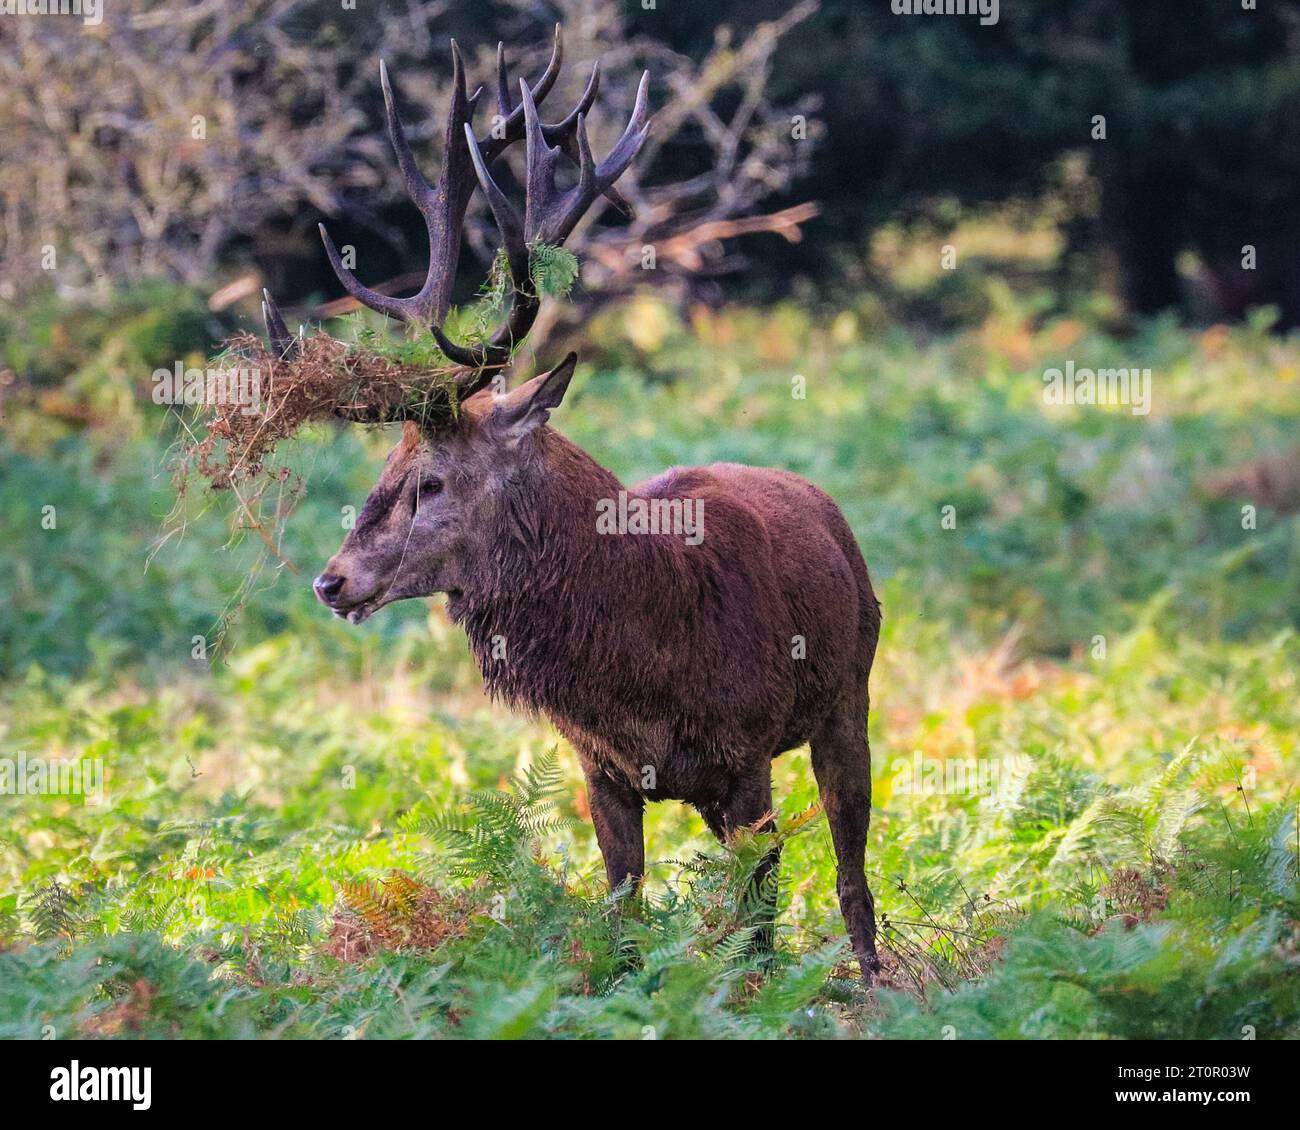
547 616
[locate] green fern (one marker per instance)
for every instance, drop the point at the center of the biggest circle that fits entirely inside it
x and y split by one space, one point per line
490 833
53 912
555 270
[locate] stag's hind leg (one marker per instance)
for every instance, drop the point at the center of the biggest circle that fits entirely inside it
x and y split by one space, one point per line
842 764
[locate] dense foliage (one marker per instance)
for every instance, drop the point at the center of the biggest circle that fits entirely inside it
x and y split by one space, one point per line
310 829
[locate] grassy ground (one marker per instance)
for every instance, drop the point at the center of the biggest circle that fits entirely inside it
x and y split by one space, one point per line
1085 727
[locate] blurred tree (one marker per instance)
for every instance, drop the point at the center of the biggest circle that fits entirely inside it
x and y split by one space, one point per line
1201 101
166 143
174 142
143 145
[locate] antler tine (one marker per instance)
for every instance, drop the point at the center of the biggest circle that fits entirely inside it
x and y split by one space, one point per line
283 343
634 135
443 207
541 160
513 128
419 189
404 309
507 219
565 135
557 134
504 106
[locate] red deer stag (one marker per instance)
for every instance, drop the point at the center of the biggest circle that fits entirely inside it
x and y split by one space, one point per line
679 664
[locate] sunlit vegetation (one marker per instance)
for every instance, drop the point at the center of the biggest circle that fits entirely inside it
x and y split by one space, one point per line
1085 717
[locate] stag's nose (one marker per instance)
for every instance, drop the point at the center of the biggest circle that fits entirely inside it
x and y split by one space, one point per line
328 586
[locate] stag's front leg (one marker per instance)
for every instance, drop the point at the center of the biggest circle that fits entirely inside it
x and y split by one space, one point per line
617 811
749 805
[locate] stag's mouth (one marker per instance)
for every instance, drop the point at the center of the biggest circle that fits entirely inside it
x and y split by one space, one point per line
356 613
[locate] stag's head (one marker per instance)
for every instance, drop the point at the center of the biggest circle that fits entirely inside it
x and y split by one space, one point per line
426 526
433 522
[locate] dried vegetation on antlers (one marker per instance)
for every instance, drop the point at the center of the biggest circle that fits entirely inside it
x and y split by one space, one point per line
324 379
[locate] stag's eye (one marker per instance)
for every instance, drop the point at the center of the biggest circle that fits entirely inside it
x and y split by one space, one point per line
425 489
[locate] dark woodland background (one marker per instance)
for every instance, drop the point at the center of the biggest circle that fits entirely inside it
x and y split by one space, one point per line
914 123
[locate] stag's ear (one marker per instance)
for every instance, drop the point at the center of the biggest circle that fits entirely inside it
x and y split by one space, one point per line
529 406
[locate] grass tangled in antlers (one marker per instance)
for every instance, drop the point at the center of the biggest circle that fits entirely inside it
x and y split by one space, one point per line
370 379
326 379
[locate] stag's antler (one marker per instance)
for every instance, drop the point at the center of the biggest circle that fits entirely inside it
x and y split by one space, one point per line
283 343
549 213
443 207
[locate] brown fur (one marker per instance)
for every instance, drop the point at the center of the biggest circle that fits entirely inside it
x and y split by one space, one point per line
670 667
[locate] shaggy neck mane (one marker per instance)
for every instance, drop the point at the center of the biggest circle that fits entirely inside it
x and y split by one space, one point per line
559 608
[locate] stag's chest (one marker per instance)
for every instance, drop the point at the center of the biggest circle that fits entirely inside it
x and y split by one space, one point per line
647 730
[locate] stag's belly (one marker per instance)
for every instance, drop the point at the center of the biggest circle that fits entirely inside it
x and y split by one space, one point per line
667 758
826 592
